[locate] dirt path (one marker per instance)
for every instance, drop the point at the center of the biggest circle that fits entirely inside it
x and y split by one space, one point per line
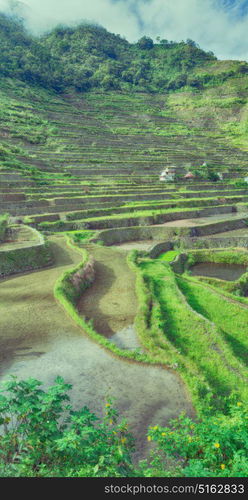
38 340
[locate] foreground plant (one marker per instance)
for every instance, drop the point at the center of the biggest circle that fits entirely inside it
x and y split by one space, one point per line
215 446
40 434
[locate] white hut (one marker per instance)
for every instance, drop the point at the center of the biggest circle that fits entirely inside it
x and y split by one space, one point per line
167 175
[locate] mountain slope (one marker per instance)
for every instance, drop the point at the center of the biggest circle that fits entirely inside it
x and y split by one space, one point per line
147 105
89 57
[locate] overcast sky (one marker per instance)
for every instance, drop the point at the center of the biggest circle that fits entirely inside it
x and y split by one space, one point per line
217 25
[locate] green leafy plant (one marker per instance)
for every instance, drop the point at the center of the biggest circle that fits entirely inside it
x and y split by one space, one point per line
214 446
41 435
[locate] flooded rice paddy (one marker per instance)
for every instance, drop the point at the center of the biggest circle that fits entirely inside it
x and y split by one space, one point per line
228 272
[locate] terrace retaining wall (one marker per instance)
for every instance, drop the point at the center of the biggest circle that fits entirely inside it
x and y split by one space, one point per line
33 256
157 218
199 243
164 234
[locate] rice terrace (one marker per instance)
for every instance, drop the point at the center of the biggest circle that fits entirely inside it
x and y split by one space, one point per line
123 257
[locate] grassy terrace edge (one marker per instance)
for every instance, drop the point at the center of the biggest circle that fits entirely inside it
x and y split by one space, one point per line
148 324
67 296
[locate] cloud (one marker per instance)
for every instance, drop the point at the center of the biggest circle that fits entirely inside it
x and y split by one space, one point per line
209 22
217 25
113 15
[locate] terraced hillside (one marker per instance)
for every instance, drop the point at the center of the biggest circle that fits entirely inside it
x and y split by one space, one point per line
74 159
88 165
91 162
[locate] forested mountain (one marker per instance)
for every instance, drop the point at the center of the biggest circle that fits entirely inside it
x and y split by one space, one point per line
185 92
25 58
89 57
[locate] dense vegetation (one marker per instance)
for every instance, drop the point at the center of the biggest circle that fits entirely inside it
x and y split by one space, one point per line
24 57
42 436
89 57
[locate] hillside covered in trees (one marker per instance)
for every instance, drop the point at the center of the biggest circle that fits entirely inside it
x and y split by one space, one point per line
89 57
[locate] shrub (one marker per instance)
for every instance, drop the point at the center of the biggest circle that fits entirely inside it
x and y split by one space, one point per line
42 436
3 226
215 446
145 43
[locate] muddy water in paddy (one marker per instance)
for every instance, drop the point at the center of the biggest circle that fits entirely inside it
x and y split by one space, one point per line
229 272
39 340
137 245
111 300
144 395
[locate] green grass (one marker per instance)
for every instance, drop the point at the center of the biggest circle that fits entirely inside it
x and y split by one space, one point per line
150 208
194 344
226 256
236 256
79 237
168 256
238 288
24 123
27 115
230 317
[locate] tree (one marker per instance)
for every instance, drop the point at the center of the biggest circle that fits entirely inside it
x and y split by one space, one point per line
177 82
145 43
164 42
191 42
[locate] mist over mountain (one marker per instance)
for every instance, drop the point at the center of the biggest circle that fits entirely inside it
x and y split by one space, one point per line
216 25
89 57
